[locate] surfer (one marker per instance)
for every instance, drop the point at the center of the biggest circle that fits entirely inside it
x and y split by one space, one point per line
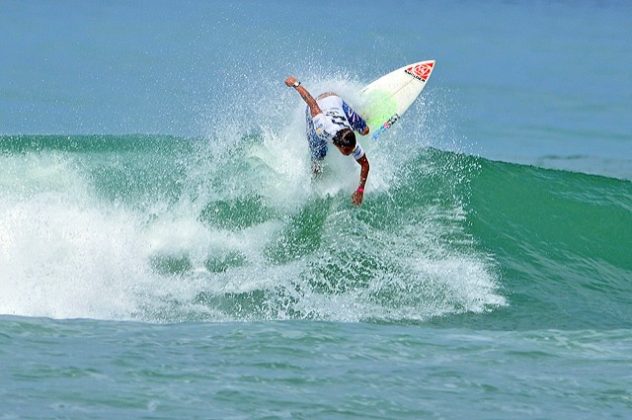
329 118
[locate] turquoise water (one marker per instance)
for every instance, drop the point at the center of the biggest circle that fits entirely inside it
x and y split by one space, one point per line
197 270
310 369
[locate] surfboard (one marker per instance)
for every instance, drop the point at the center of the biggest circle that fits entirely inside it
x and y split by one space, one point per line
387 98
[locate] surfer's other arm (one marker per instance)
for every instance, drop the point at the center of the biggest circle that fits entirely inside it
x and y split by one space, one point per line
358 195
314 109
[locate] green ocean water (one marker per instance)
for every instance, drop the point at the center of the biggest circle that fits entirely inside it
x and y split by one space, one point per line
159 276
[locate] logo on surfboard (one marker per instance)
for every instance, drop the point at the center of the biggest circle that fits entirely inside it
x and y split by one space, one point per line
386 126
420 71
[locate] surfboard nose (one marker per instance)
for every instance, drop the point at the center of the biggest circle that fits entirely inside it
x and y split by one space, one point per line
421 70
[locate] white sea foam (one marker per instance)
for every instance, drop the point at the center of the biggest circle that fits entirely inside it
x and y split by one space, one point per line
67 250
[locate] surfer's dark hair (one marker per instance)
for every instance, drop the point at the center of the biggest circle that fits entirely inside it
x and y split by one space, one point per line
345 138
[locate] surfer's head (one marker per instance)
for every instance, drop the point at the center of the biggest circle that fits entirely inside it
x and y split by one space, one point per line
345 141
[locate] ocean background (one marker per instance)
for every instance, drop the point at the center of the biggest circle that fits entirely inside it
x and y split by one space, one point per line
164 252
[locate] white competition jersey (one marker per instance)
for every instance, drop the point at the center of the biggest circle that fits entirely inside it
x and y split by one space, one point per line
335 116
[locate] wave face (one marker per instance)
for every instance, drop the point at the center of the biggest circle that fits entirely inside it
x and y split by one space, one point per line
562 240
168 229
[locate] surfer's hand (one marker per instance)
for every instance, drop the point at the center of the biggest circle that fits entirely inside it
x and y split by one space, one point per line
366 131
289 82
357 197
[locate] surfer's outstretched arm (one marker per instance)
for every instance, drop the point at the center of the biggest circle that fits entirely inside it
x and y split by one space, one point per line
314 109
358 195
